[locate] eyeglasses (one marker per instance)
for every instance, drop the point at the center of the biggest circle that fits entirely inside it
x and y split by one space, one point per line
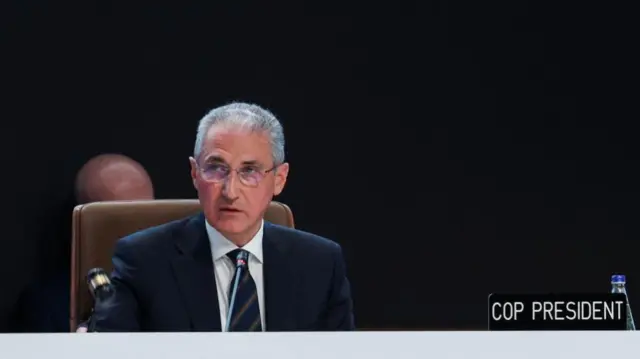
250 175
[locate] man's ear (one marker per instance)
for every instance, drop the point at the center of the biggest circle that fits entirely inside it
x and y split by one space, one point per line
280 174
194 171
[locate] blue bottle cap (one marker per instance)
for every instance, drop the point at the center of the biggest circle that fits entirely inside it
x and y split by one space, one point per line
618 278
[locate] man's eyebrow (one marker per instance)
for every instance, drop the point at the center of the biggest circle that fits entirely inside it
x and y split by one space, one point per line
214 159
251 163
218 159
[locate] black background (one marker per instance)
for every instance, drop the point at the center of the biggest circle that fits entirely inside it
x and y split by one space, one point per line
450 147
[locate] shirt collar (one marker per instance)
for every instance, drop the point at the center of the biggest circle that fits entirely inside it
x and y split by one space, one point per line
220 245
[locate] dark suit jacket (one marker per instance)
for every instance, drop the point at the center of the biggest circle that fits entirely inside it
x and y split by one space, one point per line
164 281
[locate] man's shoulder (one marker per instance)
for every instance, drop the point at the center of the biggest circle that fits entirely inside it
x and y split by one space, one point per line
154 237
301 240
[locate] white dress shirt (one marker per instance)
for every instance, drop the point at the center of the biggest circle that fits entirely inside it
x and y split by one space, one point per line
224 269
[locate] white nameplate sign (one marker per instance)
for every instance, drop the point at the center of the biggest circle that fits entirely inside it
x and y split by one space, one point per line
353 345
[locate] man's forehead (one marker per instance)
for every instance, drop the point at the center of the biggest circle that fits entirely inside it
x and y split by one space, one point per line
236 145
223 130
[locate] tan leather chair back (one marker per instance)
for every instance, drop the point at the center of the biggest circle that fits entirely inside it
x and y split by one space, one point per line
97 226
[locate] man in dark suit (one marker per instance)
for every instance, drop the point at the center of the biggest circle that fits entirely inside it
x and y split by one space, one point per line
181 276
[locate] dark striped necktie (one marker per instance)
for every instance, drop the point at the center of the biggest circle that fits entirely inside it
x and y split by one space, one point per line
245 315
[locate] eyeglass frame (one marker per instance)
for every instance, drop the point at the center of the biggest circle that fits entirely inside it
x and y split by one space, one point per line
263 174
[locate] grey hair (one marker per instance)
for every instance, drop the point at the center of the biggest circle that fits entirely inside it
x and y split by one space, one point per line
246 116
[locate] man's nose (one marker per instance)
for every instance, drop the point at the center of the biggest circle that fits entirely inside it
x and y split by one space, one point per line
229 186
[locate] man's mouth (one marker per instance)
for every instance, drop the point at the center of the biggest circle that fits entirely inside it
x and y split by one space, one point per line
229 209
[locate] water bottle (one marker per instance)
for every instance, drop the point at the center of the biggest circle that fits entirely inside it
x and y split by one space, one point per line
618 286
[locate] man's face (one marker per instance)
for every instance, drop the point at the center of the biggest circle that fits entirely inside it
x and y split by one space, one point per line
236 180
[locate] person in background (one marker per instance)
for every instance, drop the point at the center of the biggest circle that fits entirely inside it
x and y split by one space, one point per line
112 177
106 177
179 276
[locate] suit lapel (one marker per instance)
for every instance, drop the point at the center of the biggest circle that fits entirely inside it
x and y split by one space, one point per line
194 271
278 282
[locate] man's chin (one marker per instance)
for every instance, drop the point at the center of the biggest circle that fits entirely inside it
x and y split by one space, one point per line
231 226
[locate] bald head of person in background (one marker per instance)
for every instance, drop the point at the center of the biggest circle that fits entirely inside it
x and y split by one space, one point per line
112 177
